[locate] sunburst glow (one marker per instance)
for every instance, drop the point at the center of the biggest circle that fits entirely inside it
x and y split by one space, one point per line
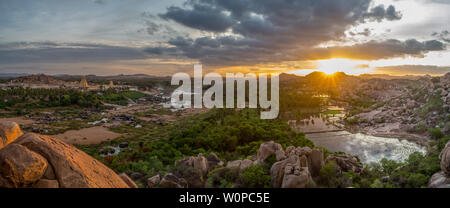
351 67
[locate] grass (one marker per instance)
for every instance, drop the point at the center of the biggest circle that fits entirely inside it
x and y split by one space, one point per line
332 112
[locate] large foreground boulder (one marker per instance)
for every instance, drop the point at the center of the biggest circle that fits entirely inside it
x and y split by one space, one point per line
9 131
48 157
20 167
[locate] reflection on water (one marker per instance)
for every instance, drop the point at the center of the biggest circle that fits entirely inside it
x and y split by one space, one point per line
368 148
326 130
312 121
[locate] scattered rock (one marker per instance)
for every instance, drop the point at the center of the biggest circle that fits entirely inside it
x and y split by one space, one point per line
123 145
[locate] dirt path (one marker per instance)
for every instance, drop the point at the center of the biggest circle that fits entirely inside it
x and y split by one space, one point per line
19 120
92 135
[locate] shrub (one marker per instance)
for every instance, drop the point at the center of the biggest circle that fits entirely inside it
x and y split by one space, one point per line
255 177
435 133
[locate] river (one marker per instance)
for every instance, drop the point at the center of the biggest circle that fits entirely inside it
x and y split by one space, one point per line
326 131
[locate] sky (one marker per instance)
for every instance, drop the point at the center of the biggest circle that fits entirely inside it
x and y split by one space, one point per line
109 37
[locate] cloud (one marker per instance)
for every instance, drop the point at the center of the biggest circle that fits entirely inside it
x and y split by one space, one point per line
444 35
249 32
200 17
413 70
379 13
51 52
391 48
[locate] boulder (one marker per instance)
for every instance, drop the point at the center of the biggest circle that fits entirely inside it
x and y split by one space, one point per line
241 164
199 163
72 167
153 181
277 173
439 180
267 149
445 159
193 170
9 131
20 167
316 161
128 180
213 161
45 183
291 173
172 181
346 163
280 155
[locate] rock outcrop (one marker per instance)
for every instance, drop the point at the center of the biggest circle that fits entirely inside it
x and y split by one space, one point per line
241 164
298 169
193 169
34 160
268 149
441 179
9 131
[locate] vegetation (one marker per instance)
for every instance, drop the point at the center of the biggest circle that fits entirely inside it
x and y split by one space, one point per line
229 133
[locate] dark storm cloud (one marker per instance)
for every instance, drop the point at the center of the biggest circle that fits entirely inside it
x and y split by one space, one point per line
233 51
379 13
200 17
270 31
50 52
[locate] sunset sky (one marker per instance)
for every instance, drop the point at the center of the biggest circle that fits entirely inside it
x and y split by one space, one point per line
108 37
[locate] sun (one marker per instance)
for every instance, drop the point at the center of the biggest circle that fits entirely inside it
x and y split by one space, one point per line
351 67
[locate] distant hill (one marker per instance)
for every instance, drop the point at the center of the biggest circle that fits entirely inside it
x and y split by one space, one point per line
12 75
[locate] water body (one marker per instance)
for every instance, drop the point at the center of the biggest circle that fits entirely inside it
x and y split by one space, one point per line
326 131
368 148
